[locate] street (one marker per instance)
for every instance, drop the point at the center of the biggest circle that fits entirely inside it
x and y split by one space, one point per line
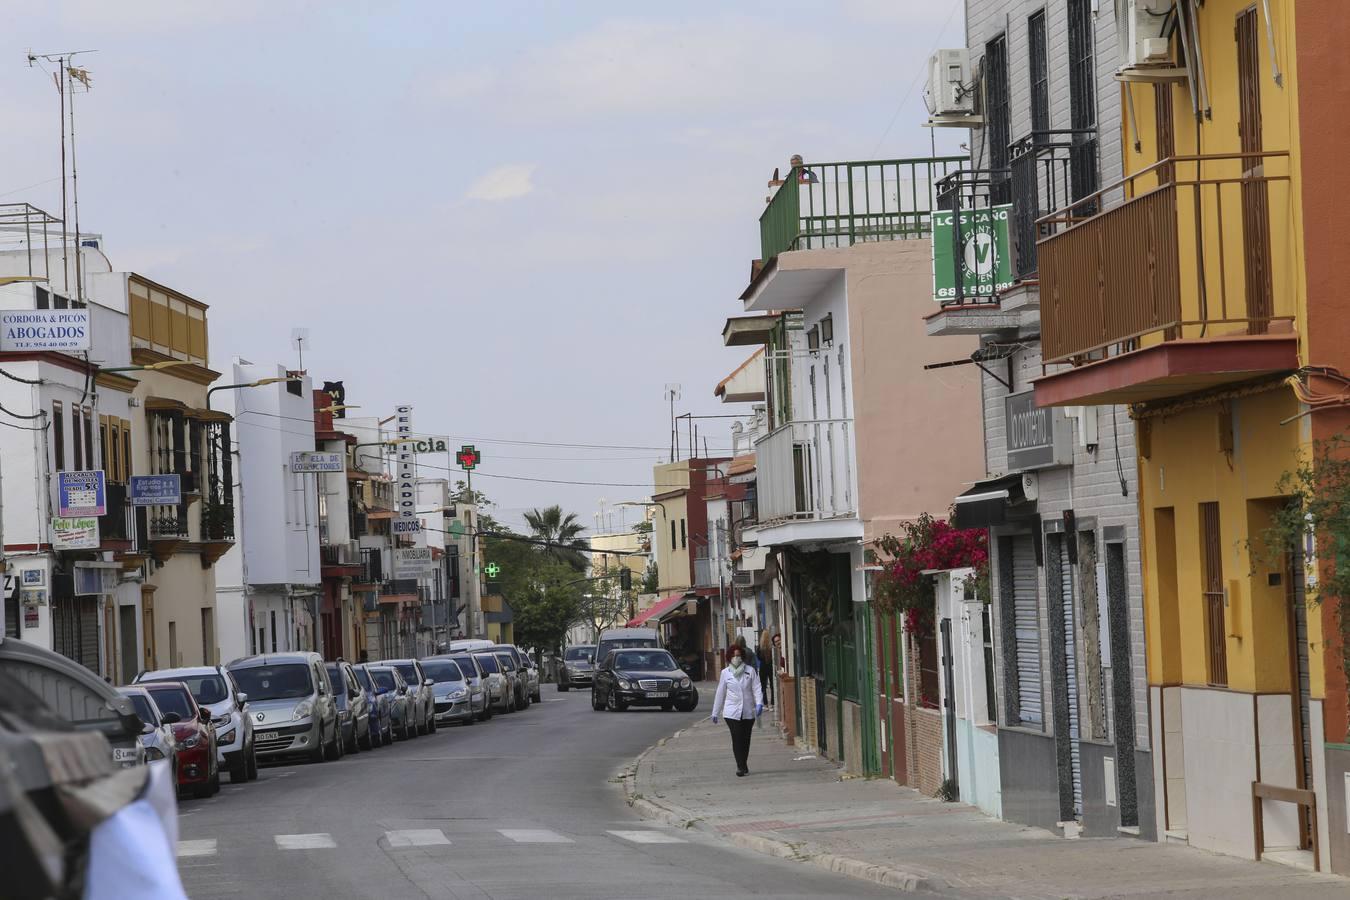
519 807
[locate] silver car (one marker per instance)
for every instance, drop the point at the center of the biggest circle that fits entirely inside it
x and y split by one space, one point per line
478 689
290 701
500 695
215 691
453 696
157 735
531 678
511 669
577 668
420 690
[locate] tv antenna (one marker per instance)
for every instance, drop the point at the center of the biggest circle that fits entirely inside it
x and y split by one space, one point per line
672 394
299 340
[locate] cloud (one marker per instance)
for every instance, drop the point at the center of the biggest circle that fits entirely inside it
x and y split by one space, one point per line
504 183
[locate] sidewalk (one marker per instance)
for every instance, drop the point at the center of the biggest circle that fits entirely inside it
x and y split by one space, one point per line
802 807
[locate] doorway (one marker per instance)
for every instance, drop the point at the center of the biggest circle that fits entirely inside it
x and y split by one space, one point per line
126 630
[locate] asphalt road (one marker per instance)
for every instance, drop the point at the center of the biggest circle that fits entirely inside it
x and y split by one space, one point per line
523 806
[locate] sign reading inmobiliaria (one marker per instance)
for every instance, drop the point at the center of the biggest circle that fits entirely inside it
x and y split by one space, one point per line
405 498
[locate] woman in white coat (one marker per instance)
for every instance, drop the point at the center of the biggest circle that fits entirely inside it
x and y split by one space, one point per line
741 698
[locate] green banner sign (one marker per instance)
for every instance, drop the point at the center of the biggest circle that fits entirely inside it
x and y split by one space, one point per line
985 252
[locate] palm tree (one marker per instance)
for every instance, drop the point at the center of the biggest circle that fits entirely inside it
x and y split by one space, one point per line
560 533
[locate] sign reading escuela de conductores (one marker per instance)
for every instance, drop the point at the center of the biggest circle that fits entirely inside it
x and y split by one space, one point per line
981 247
317 461
43 329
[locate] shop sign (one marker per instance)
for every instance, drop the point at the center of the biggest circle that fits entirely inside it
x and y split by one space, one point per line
156 490
32 578
43 329
1038 436
75 533
412 562
429 444
318 461
405 497
81 493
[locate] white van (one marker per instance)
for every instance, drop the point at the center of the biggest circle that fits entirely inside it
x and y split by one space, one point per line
619 638
470 644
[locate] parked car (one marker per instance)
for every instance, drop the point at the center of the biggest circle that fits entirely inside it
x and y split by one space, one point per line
577 668
478 689
214 690
381 708
520 682
471 645
353 710
389 682
157 735
453 698
500 696
531 677
618 638
514 681
77 695
198 762
292 705
420 690
644 676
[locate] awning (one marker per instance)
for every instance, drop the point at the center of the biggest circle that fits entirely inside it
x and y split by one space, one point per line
656 610
989 503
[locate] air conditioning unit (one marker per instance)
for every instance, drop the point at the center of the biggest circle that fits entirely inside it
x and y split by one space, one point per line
1143 41
743 579
950 90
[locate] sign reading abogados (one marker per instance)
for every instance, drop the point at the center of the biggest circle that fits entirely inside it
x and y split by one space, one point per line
979 246
43 329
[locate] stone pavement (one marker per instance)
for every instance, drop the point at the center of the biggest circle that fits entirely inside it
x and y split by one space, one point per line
801 806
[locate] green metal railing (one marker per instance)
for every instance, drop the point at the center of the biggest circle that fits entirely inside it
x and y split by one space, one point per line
839 204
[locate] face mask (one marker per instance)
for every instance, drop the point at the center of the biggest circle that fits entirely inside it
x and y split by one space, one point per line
738 664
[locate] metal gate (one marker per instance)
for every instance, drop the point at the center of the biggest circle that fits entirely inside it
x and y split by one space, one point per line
1027 627
75 629
1062 573
949 701
1298 604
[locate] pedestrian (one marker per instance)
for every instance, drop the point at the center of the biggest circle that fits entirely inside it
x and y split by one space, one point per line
746 653
766 666
741 699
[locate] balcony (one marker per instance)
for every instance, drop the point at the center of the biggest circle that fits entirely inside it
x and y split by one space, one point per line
1179 289
805 476
709 573
839 204
342 560
167 529
372 568
1049 169
118 523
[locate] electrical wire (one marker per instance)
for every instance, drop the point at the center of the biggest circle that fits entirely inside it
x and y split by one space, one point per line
24 427
22 380
36 415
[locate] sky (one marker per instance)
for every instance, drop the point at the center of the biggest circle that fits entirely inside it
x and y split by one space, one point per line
523 218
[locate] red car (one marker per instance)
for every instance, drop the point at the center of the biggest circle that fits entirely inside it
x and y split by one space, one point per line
198 769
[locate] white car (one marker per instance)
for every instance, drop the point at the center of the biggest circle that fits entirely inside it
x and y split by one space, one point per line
215 690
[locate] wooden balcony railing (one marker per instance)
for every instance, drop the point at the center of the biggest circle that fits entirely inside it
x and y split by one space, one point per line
1188 254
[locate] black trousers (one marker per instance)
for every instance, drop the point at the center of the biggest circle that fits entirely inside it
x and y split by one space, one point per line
740 740
766 682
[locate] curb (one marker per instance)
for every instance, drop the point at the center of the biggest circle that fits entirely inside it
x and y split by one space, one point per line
679 817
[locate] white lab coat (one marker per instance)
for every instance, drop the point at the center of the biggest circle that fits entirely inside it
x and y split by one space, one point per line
739 695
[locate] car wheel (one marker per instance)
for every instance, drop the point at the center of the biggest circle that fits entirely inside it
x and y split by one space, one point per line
332 751
562 687
469 721
239 771
613 703
320 752
369 742
202 791
596 704
215 782
486 714
252 764
351 746
431 726
538 696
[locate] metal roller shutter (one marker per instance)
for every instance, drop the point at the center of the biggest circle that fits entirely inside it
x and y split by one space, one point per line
1026 624
1070 668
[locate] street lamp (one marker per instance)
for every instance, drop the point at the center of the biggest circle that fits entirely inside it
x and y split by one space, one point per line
275 379
149 367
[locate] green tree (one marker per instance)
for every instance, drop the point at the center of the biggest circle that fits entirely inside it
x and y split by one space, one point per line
545 604
560 533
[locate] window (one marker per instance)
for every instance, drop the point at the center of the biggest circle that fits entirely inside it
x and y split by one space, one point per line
684 537
997 127
174 660
672 536
77 438
42 299
58 436
1039 73
126 449
87 414
1082 100
109 474
1216 632
274 631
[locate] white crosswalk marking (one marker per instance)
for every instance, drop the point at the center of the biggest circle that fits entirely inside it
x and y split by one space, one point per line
416 837
205 847
649 837
534 836
319 841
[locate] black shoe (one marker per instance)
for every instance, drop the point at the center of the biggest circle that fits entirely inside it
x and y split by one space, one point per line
741 773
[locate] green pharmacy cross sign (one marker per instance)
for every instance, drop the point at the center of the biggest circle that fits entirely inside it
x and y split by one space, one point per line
468 458
492 570
457 529
980 246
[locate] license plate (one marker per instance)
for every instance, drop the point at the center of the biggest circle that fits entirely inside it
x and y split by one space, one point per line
121 755
265 736
658 693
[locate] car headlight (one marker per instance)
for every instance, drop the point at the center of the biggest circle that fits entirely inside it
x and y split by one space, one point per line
303 709
227 737
625 685
154 753
191 742
685 682
221 721
344 715
459 694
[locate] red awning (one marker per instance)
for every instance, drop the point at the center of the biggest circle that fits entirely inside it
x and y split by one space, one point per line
656 610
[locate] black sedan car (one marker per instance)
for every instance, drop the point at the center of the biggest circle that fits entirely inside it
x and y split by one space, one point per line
641 676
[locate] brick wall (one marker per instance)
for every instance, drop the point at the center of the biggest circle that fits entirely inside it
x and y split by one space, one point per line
923 731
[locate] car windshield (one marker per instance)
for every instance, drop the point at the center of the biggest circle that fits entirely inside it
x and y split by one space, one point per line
174 699
206 689
363 678
335 677
578 652
409 673
143 708
643 659
279 682
489 663
506 662
442 670
466 666
384 678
